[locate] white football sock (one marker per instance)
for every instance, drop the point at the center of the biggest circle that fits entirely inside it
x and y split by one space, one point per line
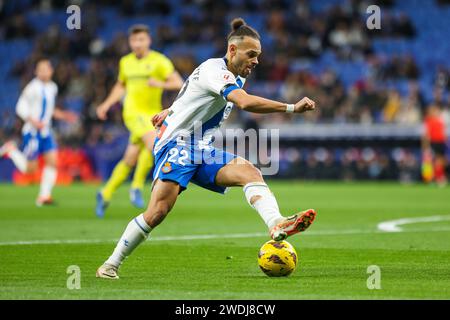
135 233
48 180
266 205
19 160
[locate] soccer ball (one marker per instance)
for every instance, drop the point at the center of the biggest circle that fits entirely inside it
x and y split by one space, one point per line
277 258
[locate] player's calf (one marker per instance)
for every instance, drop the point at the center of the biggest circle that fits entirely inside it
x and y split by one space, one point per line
163 198
157 212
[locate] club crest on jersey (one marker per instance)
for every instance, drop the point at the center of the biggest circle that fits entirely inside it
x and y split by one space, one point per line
166 168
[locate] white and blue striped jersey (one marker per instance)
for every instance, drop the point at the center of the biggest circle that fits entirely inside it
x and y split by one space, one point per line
202 101
37 101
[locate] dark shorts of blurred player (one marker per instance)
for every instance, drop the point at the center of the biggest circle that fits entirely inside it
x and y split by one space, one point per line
439 148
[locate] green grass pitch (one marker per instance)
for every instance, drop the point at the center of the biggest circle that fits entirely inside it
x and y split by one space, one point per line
186 256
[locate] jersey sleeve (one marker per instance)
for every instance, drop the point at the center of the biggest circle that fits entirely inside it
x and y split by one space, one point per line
24 104
220 81
55 89
121 76
165 67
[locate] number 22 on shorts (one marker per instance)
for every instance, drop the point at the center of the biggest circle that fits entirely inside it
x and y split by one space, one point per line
182 155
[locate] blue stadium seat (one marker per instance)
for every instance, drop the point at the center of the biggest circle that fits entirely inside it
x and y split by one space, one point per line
40 21
74 104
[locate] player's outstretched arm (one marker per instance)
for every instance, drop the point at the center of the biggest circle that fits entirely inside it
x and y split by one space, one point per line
256 104
24 107
116 94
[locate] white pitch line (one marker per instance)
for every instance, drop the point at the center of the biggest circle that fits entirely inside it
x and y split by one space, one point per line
394 225
213 236
177 238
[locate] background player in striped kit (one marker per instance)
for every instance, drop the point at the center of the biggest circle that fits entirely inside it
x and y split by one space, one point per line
36 107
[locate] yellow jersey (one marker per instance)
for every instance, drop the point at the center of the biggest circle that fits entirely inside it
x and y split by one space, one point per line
134 73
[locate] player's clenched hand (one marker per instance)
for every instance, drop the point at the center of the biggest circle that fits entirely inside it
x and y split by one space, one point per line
306 104
101 111
158 119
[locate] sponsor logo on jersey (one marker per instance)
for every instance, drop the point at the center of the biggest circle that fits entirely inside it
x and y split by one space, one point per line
228 77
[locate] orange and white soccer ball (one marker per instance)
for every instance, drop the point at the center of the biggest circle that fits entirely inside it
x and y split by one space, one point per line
277 258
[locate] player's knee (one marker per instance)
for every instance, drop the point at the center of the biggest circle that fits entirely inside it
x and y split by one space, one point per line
51 163
32 167
130 161
253 174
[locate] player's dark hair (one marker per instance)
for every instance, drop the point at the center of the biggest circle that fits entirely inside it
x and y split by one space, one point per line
137 28
240 29
41 59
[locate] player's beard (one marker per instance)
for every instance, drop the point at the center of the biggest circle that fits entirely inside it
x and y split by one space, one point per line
243 71
247 69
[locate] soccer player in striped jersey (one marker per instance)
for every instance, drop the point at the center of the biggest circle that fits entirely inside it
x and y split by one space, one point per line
184 153
36 107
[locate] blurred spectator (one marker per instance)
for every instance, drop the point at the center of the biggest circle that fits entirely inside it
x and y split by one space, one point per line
17 27
403 27
392 106
409 112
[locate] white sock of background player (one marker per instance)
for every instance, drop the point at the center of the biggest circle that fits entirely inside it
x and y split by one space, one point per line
48 180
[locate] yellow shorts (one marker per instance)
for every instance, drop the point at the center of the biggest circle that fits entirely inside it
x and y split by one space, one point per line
138 125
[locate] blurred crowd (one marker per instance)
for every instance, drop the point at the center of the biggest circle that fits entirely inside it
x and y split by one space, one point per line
351 163
294 35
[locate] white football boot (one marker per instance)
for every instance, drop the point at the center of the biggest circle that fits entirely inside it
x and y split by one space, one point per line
107 271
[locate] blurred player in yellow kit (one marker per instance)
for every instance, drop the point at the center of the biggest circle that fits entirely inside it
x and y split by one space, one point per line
143 75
